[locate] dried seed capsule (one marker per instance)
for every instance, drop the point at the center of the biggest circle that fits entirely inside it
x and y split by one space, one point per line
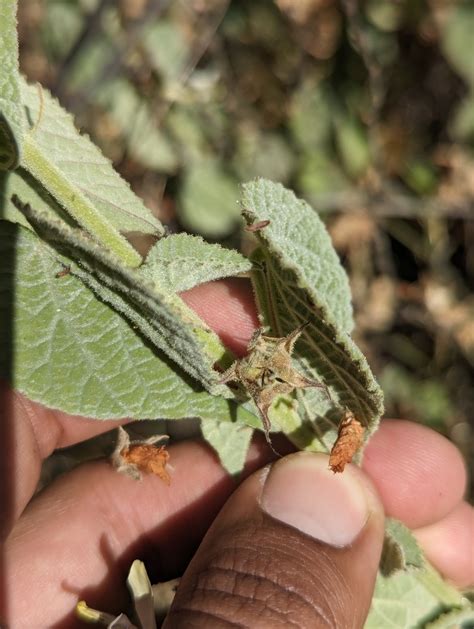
349 440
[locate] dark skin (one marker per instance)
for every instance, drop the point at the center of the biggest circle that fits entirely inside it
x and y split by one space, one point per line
77 538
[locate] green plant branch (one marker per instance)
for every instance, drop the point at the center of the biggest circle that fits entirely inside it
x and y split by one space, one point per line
76 203
443 591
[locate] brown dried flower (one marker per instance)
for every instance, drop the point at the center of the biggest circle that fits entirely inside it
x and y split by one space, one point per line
136 457
349 440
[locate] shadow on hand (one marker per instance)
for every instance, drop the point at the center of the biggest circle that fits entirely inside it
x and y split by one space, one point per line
167 549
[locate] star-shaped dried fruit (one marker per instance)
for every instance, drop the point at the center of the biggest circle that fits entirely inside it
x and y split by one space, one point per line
267 372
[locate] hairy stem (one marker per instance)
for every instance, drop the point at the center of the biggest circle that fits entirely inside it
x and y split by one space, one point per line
77 204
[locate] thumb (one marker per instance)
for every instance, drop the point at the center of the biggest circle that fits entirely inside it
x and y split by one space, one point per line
295 545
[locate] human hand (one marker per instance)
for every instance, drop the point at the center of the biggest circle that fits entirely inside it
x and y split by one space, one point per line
255 567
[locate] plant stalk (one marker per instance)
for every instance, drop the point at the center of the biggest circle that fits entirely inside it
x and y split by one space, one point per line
77 204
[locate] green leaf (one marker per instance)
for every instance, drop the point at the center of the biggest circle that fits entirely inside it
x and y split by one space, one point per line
19 182
61 26
299 240
384 14
230 440
455 619
353 146
408 591
145 141
163 318
167 48
421 176
84 166
456 40
320 177
186 127
208 200
286 417
311 119
400 549
11 113
70 168
179 262
401 602
299 280
408 599
261 154
91 66
426 400
462 124
50 178
75 353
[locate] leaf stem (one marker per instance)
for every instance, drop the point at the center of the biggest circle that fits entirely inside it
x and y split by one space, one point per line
447 594
76 203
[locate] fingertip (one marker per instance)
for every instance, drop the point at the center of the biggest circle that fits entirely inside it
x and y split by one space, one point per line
449 545
228 307
285 534
419 474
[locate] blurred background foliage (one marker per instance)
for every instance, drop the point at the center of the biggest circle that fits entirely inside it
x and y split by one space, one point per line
364 108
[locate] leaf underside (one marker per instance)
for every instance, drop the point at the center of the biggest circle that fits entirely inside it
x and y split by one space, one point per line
462 618
406 600
11 115
230 440
299 280
162 318
73 352
408 591
54 134
400 549
298 239
400 602
147 298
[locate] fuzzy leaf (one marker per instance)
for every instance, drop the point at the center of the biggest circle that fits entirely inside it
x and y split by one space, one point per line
19 182
163 318
407 600
408 591
455 619
456 39
300 241
299 279
179 262
11 114
400 549
83 165
400 602
230 440
73 352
